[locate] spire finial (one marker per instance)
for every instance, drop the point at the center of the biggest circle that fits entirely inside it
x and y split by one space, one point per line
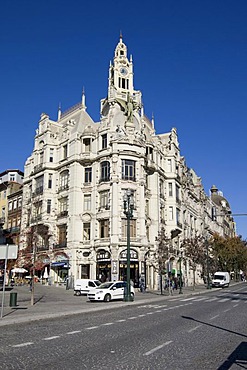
83 99
59 112
121 36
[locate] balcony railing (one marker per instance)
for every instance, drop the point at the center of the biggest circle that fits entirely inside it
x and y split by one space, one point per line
60 245
63 214
63 187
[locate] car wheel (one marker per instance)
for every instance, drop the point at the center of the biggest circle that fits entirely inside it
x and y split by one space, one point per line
107 298
77 293
132 296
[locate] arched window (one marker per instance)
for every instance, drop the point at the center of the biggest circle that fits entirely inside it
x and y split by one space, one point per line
105 171
64 180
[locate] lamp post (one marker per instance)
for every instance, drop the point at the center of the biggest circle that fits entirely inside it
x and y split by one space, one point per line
128 203
180 274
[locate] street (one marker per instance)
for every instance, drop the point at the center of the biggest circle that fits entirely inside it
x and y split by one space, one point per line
204 331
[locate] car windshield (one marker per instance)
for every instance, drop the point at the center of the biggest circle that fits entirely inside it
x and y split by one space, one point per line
97 282
104 285
219 277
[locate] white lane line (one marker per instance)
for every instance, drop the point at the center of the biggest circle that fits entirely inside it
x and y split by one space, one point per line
150 313
187 299
107 324
223 300
51 338
245 302
132 318
235 305
196 327
200 299
227 310
22 344
74 332
92 327
236 300
214 317
158 311
142 315
211 300
157 348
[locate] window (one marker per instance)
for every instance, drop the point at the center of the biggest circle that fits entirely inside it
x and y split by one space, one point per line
19 202
41 157
132 228
169 165
10 206
87 202
149 152
86 231
170 213
88 174
105 171
39 185
37 209
87 145
15 204
178 217
51 157
161 188
50 181
104 199
104 228
12 177
177 192
63 206
128 169
170 192
65 151
48 208
62 235
104 141
64 180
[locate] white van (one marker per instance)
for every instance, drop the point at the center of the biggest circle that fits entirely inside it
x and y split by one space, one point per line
221 279
82 286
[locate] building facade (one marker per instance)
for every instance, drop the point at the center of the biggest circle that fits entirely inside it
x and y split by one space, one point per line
78 173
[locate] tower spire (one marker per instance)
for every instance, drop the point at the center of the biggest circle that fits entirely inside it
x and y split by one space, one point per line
59 112
83 100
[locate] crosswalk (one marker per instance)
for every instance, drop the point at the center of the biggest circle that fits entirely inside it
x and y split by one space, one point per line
233 297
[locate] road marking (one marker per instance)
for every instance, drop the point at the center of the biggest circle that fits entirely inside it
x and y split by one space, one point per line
211 300
150 313
108 323
157 348
223 300
122 320
200 299
158 311
74 332
92 327
132 318
235 305
196 327
22 344
50 338
227 310
214 317
187 299
141 315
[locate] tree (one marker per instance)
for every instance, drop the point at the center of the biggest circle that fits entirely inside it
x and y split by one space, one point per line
194 250
164 251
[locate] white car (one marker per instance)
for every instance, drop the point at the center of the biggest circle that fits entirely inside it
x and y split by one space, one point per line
109 291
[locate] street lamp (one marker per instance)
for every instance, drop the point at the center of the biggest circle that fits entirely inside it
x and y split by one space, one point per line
180 274
128 203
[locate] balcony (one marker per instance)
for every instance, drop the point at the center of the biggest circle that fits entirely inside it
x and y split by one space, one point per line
38 191
63 187
150 166
60 245
38 167
62 214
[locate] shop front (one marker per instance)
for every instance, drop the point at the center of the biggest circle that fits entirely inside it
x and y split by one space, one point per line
103 266
60 267
134 267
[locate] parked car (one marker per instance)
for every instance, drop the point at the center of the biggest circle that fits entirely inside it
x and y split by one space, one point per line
82 286
221 279
109 291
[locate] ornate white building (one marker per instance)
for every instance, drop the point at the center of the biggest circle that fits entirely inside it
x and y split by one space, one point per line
79 171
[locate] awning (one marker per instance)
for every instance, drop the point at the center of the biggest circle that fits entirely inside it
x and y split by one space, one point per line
60 264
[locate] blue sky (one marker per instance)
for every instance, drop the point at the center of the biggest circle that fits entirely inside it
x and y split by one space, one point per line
190 59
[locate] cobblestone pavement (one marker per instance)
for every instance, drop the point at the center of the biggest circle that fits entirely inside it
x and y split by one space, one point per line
56 301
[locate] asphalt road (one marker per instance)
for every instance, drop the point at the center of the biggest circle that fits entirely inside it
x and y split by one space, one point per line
207 331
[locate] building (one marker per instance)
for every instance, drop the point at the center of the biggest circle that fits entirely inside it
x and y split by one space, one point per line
76 178
10 213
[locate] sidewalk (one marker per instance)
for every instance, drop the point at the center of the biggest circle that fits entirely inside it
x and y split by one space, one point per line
53 301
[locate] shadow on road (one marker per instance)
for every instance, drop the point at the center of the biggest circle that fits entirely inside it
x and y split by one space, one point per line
237 357
214 326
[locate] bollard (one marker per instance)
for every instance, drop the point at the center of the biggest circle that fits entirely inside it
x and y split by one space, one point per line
13 299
